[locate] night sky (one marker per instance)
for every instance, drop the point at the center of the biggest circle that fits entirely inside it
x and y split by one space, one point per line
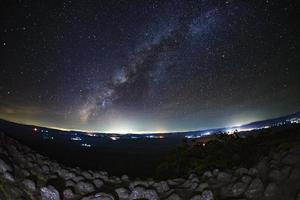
157 66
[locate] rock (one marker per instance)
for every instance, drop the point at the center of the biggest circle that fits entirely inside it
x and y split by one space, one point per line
133 184
262 167
8 176
151 195
68 194
123 193
207 174
285 172
295 174
141 193
241 171
174 196
25 172
202 186
290 159
70 183
125 178
206 195
4 166
137 193
161 186
98 183
84 187
99 196
271 190
78 178
29 184
193 185
45 169
66 175
275 175
246 179
253 172
87 175
224 177
233 190
49 193
216 172
255 189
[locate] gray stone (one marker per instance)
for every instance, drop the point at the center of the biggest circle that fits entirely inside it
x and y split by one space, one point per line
275 175
29 184
141 193
84 187
87 175
253 172
69 183
295 174
246 179
206 195
123 193
125 178
98 183
233 190
133 184
68 194
271 190
255 189
8 176
291 159
161 186
174 196
99 196
224 177
49 193
216 172
207 174
202 186
4 166
241 171
151 195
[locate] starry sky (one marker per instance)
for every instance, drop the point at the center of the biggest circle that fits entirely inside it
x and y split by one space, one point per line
148 66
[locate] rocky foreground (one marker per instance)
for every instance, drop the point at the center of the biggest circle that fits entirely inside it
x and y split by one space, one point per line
25 174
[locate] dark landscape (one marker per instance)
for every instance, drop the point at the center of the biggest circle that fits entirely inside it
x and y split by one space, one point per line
150 100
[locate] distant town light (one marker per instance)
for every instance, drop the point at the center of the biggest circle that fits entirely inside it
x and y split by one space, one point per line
35 129
86 145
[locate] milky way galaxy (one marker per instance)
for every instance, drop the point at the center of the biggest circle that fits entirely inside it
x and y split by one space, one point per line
148 66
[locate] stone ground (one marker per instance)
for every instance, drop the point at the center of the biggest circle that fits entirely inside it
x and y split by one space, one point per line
25 174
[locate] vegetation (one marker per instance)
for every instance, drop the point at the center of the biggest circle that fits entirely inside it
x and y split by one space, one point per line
227 151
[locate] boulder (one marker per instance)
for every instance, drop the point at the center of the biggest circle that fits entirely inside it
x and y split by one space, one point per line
241 171
29 184
99 196
174 196
68 193
123 193
271 190
8 176
255 189
207 174
202 186
49 193
84 187
141 193
98 183
206 195
224 177
4 166
233 190
161 186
